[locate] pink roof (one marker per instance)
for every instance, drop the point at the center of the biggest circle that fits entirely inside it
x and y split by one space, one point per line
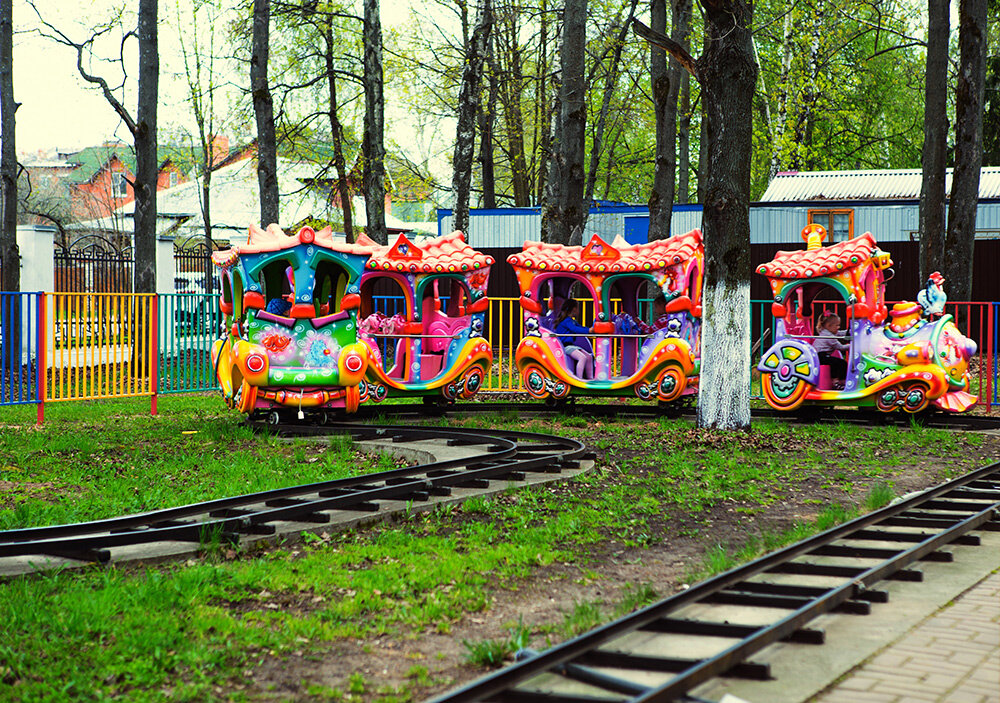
274 239
448 253
807 263
600 257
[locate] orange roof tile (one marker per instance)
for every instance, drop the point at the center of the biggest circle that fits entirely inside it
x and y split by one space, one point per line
806 263
274 239
599 257
448 253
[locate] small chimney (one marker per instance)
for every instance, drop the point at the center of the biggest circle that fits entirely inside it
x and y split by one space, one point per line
220 149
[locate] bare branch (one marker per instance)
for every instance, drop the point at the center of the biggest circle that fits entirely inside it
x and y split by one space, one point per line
664 42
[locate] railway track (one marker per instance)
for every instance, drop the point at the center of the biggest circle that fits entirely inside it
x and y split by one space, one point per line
811 415
490 456
664 651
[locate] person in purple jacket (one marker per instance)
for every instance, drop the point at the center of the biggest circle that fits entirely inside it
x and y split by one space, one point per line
578 348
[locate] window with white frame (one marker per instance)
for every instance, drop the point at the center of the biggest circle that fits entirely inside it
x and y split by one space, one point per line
119 186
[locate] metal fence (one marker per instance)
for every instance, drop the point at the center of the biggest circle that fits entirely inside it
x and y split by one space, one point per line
19 348
187 323
93 271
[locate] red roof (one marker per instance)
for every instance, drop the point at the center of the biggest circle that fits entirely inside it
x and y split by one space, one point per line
807 263
274 239
448 253
600 257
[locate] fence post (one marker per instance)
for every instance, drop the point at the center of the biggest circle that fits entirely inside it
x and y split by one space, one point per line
42 333
990 360
154 351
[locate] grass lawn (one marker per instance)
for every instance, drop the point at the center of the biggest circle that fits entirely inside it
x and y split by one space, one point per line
400 611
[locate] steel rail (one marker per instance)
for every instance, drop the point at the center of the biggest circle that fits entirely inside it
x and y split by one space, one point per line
231 517
563 659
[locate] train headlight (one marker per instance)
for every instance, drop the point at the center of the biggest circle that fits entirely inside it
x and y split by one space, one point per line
353 362
256 363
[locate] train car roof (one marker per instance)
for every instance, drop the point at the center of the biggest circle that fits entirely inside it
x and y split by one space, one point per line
445 254
600 257
831 260
274 239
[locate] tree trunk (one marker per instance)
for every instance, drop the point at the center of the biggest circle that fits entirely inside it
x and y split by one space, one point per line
567 225
468 100
609 88
263 108
728 76
486 164
665 91
146 163
10 262
932 191
684 119
374 146
337 135
958 249
206 216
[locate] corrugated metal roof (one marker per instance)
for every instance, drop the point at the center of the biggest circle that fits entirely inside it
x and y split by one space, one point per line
903 184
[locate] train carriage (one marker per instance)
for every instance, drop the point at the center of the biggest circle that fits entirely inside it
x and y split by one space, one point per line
290 306
909 357
658 362
430 341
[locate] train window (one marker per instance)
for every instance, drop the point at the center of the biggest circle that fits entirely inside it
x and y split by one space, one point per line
383 294
238 309
227 289
328 290
278 281
452 294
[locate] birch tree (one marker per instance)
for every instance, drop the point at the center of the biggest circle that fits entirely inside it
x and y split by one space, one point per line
566 225
10 262
263 108
727 74
374 145
961 235
468 100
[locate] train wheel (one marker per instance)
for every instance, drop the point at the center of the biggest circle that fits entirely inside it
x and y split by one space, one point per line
784 395
535 381
915 397
472 381
246 397
273 418
671 383
889 399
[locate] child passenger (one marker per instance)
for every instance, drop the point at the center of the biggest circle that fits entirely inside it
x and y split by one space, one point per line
827 342
577 348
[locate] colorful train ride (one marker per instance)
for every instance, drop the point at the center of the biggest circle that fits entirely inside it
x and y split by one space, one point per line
907 357
306 329
301 333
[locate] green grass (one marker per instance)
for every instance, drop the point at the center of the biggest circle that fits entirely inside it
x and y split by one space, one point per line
200 630
89 462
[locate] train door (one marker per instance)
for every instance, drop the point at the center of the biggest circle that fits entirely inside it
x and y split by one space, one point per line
444 317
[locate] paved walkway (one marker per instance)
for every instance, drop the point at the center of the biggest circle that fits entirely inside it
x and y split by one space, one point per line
951 657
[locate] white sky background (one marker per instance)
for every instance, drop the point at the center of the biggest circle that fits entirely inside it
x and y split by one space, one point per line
59 110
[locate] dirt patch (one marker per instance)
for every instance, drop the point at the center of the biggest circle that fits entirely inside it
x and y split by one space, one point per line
14 492
419 665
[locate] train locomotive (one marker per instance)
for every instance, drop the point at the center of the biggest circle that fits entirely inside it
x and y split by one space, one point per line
655 363
300 333
907 357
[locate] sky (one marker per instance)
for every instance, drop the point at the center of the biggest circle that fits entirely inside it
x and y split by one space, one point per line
59 110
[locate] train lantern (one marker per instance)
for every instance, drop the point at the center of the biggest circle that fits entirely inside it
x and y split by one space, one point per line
657 361
907 357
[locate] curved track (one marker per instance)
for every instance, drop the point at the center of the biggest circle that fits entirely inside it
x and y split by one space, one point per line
492 455
665 650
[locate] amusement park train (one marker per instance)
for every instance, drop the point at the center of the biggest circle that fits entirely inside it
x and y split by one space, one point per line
313 324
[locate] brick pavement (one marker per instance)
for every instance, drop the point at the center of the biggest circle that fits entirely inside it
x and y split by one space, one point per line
951 657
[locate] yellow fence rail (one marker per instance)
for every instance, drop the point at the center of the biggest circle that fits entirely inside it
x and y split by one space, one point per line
100 345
